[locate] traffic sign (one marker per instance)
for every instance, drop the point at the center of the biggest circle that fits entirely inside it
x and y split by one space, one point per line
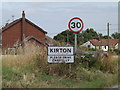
76 25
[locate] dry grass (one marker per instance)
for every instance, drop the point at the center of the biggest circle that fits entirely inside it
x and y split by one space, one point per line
25 55
108 63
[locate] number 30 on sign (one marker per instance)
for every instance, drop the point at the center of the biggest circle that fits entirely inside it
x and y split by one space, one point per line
75 25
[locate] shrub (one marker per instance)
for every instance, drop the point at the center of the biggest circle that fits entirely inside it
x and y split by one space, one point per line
84 48
88 60
107 63
59 44
117 51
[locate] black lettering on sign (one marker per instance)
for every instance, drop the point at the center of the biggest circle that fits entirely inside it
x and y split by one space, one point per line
60 49
57 50
78 24
74 25
64 50
69 50
51 50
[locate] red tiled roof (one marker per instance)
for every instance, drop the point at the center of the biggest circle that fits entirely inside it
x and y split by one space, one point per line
104 42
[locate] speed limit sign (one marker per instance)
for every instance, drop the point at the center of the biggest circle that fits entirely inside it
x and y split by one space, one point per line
75 25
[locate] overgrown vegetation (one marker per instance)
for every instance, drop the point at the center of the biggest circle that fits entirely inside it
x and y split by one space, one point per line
29 69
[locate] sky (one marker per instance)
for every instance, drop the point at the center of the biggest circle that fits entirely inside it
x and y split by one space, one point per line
53 17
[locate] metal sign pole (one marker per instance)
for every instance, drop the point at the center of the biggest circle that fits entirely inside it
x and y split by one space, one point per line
75 42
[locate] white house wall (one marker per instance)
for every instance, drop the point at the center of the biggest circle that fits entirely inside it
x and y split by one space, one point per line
104 49
87 44
116 46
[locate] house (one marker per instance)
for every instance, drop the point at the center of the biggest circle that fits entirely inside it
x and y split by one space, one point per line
20 31
102 44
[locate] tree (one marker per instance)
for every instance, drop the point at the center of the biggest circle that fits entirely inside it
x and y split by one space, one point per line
106 37
100 35
68 36
89 34
65 36
116 35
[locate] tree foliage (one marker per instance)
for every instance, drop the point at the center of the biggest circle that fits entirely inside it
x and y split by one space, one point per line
116 35
106 37
68 37
82 37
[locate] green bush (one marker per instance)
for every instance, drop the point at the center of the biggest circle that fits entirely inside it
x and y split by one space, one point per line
84 48
117 51
88 60
92 49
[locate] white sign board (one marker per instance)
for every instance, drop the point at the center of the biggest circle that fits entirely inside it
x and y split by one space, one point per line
60 55
60 50
61 59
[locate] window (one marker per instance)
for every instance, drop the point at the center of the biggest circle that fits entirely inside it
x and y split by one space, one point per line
88 46
105 47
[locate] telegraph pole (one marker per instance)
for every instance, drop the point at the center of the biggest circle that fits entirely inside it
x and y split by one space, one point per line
108 29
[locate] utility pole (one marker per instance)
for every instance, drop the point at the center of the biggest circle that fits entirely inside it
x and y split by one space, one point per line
108 29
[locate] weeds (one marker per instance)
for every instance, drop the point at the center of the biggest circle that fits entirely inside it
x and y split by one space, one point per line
30 69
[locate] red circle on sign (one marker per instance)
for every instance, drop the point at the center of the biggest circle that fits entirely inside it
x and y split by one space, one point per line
79 29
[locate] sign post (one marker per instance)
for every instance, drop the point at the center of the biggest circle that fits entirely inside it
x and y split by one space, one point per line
75 42
75 25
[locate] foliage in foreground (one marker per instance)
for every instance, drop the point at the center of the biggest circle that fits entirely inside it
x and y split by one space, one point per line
31 70
28 77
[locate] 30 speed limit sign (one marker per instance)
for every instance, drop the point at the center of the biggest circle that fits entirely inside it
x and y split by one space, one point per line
75 25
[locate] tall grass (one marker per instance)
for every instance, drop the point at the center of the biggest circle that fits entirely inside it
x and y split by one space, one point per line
108 63
25 55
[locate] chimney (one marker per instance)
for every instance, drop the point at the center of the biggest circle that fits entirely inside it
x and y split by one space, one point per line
23 14
23 25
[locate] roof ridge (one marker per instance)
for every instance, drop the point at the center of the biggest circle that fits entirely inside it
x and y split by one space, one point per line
17 20
28 38
35 25
10 24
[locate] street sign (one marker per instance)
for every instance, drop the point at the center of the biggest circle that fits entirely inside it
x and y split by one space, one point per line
76 25
60 54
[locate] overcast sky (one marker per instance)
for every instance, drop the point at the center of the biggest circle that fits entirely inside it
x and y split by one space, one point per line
54 17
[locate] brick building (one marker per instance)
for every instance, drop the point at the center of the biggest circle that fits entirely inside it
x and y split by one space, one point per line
20 31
